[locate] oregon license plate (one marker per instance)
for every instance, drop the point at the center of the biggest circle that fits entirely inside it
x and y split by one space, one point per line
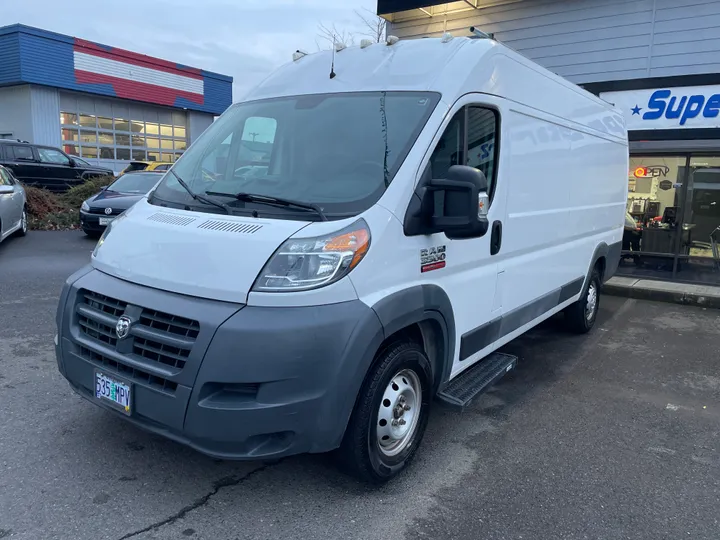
117 393
105 220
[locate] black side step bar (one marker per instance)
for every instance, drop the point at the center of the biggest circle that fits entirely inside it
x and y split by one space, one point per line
475 380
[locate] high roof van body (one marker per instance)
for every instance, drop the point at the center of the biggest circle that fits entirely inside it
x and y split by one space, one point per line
354 239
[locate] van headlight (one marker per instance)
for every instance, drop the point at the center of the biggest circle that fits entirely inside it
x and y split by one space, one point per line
301 264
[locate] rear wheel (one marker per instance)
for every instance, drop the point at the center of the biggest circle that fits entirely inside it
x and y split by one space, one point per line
390 415
580 316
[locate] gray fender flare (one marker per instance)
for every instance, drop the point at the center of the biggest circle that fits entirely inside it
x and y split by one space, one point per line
418 304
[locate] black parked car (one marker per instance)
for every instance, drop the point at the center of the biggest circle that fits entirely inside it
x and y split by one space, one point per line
46 167
113 200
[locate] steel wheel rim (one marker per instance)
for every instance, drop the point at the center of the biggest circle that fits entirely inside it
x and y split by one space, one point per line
399 412
592 300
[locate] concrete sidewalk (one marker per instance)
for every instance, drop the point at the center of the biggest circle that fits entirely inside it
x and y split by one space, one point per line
664 291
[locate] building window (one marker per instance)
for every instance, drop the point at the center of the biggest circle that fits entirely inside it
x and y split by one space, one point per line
103 137
68 119
87 120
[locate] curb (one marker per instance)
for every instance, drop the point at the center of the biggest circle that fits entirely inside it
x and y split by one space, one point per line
671 296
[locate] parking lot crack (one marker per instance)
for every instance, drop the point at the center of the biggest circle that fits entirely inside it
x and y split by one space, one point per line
229 481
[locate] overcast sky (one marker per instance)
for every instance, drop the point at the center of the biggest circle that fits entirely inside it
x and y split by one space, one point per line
243 38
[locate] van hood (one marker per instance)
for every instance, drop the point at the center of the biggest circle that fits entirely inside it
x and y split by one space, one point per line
205 255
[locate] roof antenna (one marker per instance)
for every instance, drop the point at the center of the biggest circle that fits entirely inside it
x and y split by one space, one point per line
332 65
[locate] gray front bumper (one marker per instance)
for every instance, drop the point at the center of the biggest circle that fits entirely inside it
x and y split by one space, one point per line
252 382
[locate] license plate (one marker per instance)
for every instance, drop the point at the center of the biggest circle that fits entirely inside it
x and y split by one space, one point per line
105 220
109 389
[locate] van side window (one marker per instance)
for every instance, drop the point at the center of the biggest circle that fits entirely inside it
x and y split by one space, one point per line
449 149
482 125
477 151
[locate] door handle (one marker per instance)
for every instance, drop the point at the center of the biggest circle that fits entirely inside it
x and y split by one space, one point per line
496 238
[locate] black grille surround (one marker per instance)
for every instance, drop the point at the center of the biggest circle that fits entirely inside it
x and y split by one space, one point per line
157 347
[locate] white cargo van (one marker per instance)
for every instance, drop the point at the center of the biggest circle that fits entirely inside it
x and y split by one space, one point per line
354 239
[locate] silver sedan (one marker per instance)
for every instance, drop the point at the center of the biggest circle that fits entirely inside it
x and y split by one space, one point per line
13 206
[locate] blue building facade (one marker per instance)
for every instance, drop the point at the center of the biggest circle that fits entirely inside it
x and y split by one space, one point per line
101 103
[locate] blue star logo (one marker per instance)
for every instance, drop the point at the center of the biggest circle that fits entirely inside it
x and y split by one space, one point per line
636 110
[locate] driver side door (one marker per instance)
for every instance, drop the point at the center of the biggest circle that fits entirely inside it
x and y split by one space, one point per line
472 277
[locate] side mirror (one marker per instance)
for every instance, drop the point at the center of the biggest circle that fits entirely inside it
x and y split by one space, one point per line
460 202
6 189
456 205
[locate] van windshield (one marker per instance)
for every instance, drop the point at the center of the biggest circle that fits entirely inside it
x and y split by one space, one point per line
337 151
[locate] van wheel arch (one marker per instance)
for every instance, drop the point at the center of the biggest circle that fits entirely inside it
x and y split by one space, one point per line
599 261
423 314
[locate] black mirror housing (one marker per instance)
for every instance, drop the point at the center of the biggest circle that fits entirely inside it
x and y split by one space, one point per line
449 205
456 202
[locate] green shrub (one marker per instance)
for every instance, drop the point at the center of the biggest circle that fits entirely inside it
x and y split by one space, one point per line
75 196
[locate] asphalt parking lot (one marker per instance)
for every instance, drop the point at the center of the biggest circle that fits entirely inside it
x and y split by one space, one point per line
612 435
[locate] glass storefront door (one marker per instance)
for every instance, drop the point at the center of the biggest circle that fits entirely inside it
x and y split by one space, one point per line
672 225
701 216
655 194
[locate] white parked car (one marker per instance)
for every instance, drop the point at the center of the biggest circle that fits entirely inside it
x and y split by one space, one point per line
13 206
420 206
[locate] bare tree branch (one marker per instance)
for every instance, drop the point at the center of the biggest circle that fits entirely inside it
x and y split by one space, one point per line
331 35
375 26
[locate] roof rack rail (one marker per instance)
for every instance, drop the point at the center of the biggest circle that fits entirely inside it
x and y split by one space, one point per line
479 34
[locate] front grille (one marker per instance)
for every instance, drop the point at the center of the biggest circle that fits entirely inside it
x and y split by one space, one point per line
97 330
159 352
104 303
137 375
101 211
170 323
158 339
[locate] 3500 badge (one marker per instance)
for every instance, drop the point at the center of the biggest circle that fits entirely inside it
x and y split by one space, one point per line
432 258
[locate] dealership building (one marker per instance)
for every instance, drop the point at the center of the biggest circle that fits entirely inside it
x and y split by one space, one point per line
659 62
106 105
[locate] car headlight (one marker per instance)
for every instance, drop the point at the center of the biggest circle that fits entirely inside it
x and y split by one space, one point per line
302 264
85 207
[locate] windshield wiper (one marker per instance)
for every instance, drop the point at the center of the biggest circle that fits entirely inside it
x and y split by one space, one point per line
268 199
199 197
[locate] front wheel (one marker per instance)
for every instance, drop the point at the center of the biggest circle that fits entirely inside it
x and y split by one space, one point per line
580 316
22 231
390 416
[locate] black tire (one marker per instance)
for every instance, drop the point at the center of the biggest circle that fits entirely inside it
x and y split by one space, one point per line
580 317
360 453
22 231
